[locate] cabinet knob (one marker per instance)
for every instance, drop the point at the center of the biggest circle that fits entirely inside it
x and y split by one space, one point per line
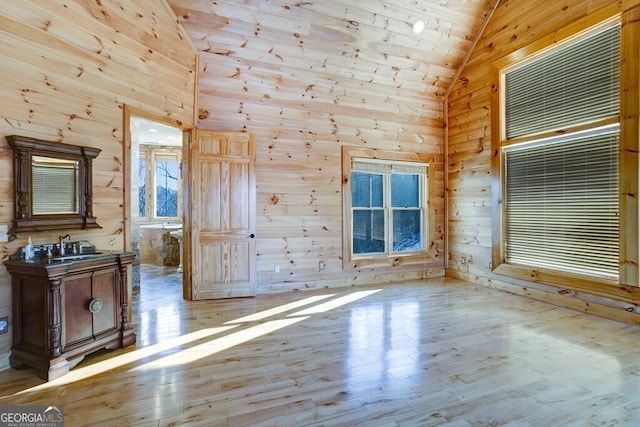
95 305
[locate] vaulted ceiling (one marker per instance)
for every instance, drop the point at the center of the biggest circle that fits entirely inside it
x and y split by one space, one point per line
337 46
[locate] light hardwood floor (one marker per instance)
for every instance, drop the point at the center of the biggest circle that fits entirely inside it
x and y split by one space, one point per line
437 352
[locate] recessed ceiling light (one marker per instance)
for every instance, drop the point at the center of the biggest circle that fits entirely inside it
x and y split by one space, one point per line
418 27
153 130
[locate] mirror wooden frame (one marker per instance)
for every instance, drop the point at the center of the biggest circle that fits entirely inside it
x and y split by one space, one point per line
24 148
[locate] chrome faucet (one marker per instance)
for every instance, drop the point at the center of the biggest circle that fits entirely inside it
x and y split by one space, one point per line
66 236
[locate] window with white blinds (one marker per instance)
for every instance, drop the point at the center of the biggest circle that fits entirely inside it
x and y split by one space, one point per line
576 84
561 194
562 205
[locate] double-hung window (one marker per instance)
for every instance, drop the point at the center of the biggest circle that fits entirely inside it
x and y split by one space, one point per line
386 209
559 164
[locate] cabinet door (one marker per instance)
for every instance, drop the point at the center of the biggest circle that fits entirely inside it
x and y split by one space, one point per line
104 288
78 322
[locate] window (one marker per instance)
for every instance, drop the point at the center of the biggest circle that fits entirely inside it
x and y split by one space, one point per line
382 193
559 168
160 188
166 185
386 208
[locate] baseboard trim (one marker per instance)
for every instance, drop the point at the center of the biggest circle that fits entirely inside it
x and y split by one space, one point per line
358 279
608 308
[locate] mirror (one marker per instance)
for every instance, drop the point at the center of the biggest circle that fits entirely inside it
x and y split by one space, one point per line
53 185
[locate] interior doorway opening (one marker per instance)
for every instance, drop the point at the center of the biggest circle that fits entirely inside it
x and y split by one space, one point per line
156 215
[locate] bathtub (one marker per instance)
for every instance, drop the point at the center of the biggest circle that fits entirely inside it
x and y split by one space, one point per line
158 246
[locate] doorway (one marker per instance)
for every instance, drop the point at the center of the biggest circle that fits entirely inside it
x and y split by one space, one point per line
156 215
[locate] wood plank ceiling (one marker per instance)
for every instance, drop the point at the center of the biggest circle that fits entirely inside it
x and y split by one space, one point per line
341 45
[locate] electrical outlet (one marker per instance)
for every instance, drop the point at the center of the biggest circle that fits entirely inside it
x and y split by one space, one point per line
321 265
276 268
4 325
4 233
463 260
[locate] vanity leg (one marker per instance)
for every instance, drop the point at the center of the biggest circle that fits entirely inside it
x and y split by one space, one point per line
128 336
54 318
46 368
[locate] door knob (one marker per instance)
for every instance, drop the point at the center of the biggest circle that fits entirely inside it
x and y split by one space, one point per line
95 305
252 235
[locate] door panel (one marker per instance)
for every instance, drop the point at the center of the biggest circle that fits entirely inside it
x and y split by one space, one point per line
210 197
223 212
104 284
78 323
239 175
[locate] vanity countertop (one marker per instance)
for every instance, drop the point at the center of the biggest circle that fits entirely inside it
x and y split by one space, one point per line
64 263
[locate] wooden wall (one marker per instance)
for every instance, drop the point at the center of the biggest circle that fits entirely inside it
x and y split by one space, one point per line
305 83
514 25
68 68
309 77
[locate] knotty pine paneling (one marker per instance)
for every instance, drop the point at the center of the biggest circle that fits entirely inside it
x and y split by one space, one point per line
514 25
68 68
309 77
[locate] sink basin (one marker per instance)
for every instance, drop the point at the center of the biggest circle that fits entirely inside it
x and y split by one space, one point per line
74 257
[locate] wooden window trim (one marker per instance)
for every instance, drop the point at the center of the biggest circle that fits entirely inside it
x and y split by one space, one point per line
626 287
386 260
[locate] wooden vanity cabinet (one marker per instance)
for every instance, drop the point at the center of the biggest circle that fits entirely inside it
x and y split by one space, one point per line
66 310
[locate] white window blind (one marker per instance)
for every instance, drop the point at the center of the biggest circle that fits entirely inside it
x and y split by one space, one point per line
562 204
56 186
571 86
561 194
387 166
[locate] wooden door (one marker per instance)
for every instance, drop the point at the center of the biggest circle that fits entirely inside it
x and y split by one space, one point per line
223 212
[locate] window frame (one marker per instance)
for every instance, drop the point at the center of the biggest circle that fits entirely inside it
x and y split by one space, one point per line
385 169
428 231
149 153
628 161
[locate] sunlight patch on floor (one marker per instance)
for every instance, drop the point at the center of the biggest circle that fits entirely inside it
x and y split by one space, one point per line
208 348
330 305
220 344
280 309
83 372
